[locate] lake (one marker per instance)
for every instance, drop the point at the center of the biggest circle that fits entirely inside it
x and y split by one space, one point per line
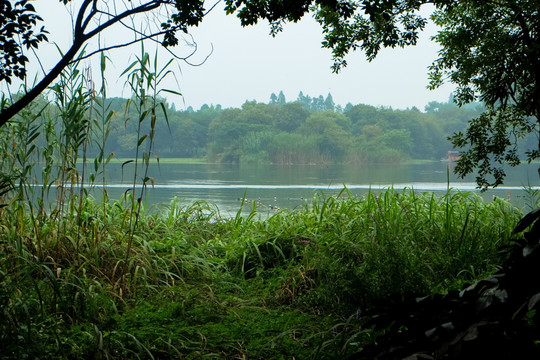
281 186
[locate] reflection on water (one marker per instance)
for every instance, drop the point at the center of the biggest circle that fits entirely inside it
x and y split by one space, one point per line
274 186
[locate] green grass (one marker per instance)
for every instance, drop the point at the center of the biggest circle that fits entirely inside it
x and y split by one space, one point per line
197 285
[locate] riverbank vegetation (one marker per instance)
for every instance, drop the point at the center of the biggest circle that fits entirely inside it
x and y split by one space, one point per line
388 275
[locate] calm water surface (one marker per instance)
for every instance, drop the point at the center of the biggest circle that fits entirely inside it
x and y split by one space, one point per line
290 186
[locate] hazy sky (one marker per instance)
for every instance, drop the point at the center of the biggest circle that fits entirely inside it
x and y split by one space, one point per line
248 64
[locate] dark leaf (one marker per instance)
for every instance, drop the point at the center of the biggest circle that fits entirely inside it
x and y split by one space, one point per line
527 220
534 301
529 249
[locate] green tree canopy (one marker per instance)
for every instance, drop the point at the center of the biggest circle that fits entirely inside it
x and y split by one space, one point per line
491 51
17 33
281 98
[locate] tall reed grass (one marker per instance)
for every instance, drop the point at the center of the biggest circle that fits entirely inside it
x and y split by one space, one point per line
356 250
65 257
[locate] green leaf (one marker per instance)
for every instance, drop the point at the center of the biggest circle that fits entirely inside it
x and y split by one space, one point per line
129 68
126 162
172 92
141 140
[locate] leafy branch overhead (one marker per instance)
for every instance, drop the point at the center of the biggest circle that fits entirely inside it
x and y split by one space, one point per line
17 21
491 51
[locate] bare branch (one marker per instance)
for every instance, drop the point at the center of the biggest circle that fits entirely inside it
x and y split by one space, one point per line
204 60
93 12
183 58
212 7
118 46
117 18
78 23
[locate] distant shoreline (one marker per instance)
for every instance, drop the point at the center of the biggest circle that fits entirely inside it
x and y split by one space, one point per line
165 160
203 161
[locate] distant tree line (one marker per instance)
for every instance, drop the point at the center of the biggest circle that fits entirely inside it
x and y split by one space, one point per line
309 130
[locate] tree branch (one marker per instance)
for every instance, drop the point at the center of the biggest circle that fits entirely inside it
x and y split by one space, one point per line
89 17
12 110
78 23
118 46
137 10
79 39
185 58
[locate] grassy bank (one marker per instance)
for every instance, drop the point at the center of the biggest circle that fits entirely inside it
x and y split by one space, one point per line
188 283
